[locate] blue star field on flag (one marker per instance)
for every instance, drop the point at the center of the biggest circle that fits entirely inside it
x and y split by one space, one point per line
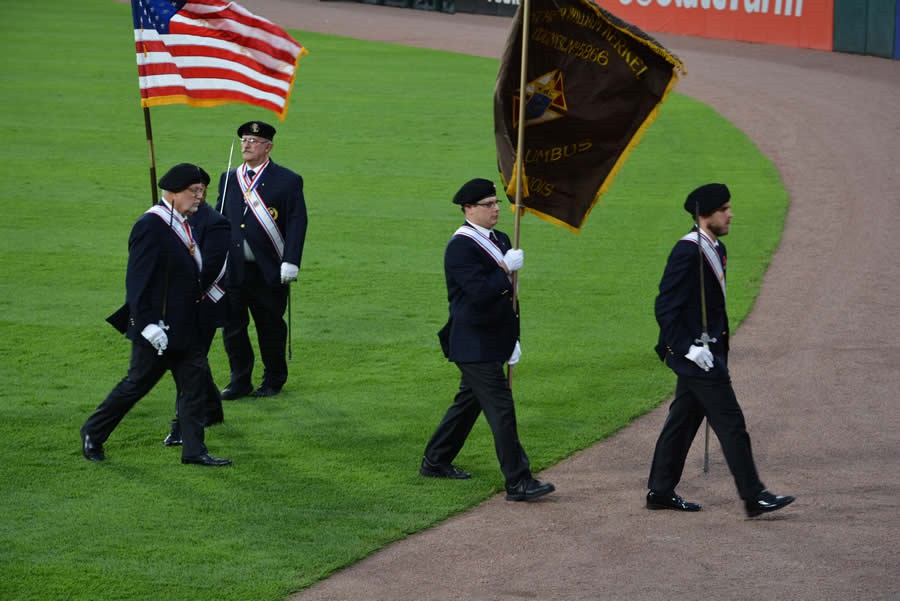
155 14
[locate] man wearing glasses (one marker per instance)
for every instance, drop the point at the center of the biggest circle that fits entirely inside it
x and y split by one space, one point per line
481 335
160 316
264 203
212 233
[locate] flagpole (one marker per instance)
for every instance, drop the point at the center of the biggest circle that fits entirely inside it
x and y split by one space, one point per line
227 172
149 129
520 141
520 145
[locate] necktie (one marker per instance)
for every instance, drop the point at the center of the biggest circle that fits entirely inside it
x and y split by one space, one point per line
497 242
251 173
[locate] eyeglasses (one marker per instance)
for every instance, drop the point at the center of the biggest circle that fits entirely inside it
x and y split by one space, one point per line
489 204
197 191
254 141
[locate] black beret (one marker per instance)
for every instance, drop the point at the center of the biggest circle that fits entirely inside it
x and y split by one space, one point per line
706 199
181 176
257 128
475 190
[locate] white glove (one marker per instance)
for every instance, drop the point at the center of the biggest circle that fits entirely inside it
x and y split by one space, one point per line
701 356
288 272
156 336
514 258
516 354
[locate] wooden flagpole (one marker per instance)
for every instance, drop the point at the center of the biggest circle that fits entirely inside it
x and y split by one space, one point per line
520 141
149 129
520 145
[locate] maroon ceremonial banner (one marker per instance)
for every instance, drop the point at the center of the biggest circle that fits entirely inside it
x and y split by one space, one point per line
593 85
212 52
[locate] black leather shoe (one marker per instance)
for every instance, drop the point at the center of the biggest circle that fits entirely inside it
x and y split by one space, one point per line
266 390
765 502
436 470
528 490
93 451
174 437
233 392
658 500
206 459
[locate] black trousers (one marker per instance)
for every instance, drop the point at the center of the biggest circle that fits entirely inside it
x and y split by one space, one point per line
482 387
146 368
696 398
213 396
267 305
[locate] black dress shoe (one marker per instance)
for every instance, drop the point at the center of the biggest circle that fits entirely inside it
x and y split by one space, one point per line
765 502
93 451
658 500
233 392
174 437
206 459
436 470
528 490
266 390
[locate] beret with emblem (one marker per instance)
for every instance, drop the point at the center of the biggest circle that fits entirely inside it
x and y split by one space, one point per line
475 190
706 199
257 128
181 176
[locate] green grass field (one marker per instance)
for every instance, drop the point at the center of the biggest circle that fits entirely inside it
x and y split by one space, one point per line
325 473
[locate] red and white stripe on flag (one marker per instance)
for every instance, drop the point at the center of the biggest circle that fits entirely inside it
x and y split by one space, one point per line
211 52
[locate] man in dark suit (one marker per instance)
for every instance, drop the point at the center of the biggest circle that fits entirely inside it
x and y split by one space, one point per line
693 341
212 234
160 317
265 205
481 335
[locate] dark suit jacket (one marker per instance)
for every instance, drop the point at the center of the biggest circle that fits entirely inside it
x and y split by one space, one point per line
483 325
212 232
282 190
678 313
162 282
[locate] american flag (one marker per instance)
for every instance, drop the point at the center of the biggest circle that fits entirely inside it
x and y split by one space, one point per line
211 52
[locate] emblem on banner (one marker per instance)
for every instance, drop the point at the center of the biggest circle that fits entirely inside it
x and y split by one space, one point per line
545 99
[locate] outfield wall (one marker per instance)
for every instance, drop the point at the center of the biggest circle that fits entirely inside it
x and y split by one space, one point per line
506 8
806 24
855 26
867 27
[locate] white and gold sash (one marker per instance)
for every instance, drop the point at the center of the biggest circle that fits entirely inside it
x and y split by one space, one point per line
215 292
712 256
482 241
176 225
254 202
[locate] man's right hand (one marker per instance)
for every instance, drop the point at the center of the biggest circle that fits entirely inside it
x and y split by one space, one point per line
701 356
156 336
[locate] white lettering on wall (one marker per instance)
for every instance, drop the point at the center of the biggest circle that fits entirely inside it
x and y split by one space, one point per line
787 8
